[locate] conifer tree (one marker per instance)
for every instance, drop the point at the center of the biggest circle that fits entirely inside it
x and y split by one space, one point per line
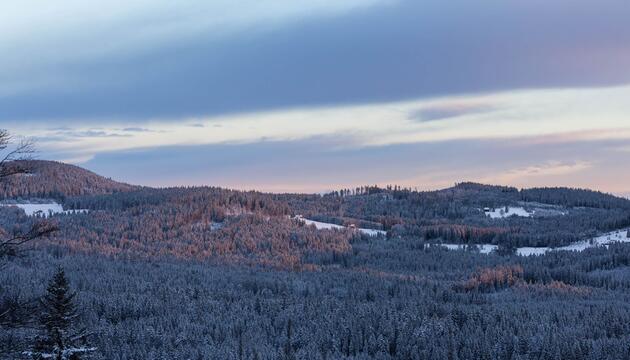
57 320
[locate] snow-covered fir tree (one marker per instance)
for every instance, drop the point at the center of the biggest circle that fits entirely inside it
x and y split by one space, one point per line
60 340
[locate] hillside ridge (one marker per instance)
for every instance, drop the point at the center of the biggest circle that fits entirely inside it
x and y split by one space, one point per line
52 179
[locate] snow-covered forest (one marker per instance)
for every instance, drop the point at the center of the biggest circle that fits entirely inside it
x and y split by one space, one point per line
212 273
388 301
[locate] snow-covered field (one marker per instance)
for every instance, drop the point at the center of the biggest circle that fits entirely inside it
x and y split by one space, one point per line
372 232
619 236
529 251
76 211
483 248
322 225
500 213
529 209
45 209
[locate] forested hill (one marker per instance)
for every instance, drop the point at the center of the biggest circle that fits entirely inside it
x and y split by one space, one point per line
210 222
57 180
474 213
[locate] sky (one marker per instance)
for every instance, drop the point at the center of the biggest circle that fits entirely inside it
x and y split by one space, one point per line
316 95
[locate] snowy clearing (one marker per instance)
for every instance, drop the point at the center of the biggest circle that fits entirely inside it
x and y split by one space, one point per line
506 211
483 248
320 225
45 209
619 236
528 209
328 226
372 232
529 251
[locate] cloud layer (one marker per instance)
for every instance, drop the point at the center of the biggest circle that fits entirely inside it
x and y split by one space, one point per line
415 92
153 60
548 115
522 138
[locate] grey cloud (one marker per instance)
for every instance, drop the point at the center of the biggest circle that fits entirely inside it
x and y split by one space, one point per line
408 50
92 133
68 135
136 129
441 112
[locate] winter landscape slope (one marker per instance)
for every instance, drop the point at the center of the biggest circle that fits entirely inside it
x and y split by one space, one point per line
212 273
216 223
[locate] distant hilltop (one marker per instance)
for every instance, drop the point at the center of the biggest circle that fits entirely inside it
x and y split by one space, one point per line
53 179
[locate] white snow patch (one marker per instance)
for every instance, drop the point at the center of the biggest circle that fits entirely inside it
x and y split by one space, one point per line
63 354
528 251
483 248
320 225
372 232
328 226
45 209
500 213
75 211
39 209
618 236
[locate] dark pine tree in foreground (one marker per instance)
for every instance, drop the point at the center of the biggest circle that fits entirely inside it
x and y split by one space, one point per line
59 313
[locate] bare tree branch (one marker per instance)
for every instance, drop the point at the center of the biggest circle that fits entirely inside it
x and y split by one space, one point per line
10 165
15 313
10 247
23 150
